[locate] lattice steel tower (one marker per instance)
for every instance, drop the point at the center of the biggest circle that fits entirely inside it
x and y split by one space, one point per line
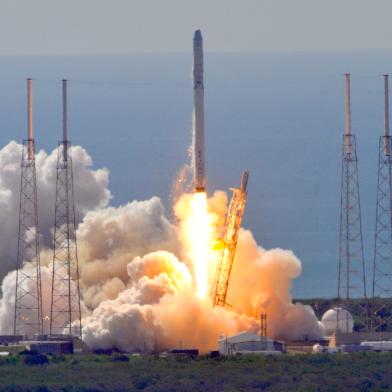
233 225
263 331
382 257
351 274
65 312
28 299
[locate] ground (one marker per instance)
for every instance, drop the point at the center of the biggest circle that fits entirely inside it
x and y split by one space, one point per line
324 372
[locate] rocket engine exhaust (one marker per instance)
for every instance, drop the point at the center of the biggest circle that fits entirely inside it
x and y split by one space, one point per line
198 92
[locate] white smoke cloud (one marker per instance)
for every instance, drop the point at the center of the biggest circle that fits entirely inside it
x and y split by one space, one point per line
91 190
159 308
109 238
135 274
261 282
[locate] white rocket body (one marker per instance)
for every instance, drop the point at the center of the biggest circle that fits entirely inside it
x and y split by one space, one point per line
198 114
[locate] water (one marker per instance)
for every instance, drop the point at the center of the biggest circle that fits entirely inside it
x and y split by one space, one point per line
280 115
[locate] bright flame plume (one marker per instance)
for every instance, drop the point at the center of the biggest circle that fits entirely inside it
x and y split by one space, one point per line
197 230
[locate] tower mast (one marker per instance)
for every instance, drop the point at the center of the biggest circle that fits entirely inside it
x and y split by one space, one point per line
382 257
351 271
28 297
65 312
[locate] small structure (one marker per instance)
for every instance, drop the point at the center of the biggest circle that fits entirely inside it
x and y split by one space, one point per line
5 340
190 352
378 346
51 347
248 342
304 346
61 344
339 339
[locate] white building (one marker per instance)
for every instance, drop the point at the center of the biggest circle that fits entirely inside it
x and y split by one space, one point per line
247 342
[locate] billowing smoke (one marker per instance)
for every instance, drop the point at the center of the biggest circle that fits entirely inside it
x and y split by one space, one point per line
158 307
261 282
160 310
91 190
136 273
111 237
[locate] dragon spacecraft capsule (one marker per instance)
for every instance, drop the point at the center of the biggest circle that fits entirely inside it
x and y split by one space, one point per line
198 114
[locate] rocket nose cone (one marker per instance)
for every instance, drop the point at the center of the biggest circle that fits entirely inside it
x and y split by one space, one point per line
197 35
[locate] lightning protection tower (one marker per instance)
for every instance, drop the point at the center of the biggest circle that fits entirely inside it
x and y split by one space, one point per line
28 299
65 312
263 331
351 272
233 224
382 258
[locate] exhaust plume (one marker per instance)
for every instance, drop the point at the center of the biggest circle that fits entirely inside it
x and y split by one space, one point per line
138 271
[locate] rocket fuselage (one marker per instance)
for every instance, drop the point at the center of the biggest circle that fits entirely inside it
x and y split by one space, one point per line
198 114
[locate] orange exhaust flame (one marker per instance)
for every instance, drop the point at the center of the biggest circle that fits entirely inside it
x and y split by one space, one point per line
197 232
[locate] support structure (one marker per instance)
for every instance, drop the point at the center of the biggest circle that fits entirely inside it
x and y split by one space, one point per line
351 273
28 298
263 331
233 224
65 312
381 315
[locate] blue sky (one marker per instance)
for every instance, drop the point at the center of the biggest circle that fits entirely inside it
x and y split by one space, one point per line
161 26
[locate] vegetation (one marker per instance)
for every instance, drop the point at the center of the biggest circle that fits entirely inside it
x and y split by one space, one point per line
311 372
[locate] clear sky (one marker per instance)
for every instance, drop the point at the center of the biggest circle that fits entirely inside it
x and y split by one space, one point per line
135 26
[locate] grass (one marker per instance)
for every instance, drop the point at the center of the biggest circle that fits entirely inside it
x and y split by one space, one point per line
327 372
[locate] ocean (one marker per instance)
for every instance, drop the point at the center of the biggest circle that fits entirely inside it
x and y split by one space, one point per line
278 115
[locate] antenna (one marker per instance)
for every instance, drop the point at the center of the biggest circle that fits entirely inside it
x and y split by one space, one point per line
65 120
387 149
30 136
347 132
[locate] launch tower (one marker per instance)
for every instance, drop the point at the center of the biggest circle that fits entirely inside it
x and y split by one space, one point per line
233 224
65 313
351 272
382 257
263 331
28 298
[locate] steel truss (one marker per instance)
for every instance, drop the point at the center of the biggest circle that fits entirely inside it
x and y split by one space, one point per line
65 311
382 257
28 298
233 224
351 274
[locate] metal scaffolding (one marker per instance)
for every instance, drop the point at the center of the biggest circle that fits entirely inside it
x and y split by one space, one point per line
382 257
65 312
28 298
351 272
263 331
233 224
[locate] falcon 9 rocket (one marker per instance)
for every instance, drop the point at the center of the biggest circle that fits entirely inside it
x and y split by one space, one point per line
198 114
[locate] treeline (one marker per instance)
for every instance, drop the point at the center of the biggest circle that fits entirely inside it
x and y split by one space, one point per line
119 372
